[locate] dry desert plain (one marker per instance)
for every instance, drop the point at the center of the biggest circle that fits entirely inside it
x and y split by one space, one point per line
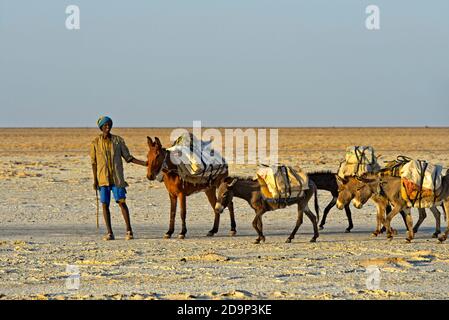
47 222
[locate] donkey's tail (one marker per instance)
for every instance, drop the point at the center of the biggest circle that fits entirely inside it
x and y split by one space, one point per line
317 207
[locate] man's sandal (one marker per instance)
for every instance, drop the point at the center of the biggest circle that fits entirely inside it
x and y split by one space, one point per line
109 236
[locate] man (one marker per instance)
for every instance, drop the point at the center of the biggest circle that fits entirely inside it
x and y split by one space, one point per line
106 152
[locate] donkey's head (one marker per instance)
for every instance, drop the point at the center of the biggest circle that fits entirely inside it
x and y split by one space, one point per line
345 193
225 194
155 158
365 190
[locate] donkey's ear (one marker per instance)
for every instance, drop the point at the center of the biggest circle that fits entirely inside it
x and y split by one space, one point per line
158 142
231 184
341 180
230 181
150 141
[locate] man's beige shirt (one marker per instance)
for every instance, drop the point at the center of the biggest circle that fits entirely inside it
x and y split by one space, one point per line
99 156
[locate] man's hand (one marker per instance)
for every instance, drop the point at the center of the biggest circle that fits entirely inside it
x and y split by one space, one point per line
95 185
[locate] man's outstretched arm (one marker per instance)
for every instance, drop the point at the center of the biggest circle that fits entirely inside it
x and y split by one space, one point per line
129 158
140 162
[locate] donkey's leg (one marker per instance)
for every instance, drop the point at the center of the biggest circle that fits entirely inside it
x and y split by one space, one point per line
387 209
404 218
409 220
212 197
183 208
231 215
171 228
421 217
313 219
381 208
443 237
437 215
258 226
298 224
349 216
390 216
326 211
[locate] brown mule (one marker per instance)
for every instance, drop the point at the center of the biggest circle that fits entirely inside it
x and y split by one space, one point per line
159 162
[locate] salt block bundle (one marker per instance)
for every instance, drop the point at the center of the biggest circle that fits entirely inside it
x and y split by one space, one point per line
280 183
420 183
359 160
197 162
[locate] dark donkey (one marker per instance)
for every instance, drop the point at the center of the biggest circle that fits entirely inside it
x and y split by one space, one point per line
249 189
159 162
327 180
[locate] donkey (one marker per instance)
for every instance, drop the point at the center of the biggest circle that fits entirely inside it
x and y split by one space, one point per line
347 188
159 162
346 193
249 189
390 188
327 180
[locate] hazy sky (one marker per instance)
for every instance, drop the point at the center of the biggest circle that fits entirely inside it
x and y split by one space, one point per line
225 62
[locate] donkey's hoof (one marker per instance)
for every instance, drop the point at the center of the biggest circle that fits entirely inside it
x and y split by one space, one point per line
435 235
181 236
313 240
321 227
442 238
109 237
210 234
288 240
415 230
232 233
408 240
348 231
256 242
374 234
390 238
167 236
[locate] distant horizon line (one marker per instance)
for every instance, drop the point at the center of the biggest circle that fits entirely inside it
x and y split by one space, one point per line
229 127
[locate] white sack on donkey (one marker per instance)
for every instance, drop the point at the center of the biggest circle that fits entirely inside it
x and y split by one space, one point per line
358 161
421 183
281 182
196 160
